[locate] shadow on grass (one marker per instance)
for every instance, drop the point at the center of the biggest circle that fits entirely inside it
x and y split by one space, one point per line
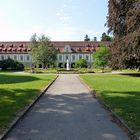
131 74
9 79
13 101
125 104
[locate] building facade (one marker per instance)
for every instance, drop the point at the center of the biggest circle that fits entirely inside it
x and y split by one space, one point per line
66 50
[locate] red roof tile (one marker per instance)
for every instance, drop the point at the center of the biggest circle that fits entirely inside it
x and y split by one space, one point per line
76 46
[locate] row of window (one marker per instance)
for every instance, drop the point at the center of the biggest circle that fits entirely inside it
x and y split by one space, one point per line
21 57
73 57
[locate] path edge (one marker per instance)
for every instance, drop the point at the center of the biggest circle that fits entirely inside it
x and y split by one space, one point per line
26 110
132 134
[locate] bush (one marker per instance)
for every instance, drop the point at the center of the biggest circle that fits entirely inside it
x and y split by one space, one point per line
10 64
82 63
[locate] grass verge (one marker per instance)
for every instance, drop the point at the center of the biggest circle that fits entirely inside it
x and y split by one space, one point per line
17 91
121 93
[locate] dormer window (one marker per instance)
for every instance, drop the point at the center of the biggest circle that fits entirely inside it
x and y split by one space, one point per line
67 48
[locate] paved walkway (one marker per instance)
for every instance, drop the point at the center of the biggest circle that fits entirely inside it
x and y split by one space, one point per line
67 112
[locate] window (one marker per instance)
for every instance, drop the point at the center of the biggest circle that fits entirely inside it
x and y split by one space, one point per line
8 56
80 56
60 57
67 49
15 57
67 57
28 57
21 58
73 57
2 57
87 57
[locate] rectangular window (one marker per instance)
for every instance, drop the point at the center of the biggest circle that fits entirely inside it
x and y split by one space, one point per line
21 58
60 57
73 57
2 57
67 57
15 57
80 56
28 57
8 56
87 57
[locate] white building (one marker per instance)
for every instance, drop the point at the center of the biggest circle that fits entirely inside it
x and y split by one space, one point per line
67 50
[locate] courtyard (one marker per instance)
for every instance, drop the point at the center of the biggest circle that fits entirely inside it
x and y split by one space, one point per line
67 99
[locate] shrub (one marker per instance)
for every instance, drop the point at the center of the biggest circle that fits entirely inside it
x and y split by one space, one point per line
10 64
81 63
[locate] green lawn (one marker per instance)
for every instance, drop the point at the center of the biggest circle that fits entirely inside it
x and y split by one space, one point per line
121 93
17 91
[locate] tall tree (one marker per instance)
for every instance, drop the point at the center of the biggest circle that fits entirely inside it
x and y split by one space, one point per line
94 39
106 37
43 51
87 38
101 57
123 22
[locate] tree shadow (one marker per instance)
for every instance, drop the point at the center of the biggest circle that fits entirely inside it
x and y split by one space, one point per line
131 74
10 79
66 116
126 104
12 102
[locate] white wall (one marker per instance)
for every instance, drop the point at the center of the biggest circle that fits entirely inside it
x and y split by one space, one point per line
63 60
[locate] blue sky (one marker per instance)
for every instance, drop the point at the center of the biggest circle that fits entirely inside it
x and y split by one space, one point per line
58 19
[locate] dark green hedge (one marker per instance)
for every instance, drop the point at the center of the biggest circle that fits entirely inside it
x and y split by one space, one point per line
10 64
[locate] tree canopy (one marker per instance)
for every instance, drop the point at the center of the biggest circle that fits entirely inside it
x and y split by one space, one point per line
124 23
43 51
87 38
101 56
106 37
81 63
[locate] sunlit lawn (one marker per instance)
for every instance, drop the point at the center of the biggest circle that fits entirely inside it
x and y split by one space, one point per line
121 93
17 91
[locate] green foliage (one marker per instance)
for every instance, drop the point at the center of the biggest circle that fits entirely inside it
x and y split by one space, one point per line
101 56
17 92
81 63
106 37
124 23
121 93
10 64
43 51
87 38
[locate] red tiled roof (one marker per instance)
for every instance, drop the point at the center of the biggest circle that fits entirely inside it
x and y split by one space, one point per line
76 46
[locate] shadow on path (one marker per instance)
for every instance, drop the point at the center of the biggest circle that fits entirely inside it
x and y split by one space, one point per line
67 117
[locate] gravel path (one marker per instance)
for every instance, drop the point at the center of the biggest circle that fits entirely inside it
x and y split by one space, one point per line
67 112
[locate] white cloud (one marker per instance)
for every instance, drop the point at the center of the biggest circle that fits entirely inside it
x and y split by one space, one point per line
58 14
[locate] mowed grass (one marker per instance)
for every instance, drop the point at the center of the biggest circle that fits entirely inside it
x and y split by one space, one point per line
16 92
121 93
